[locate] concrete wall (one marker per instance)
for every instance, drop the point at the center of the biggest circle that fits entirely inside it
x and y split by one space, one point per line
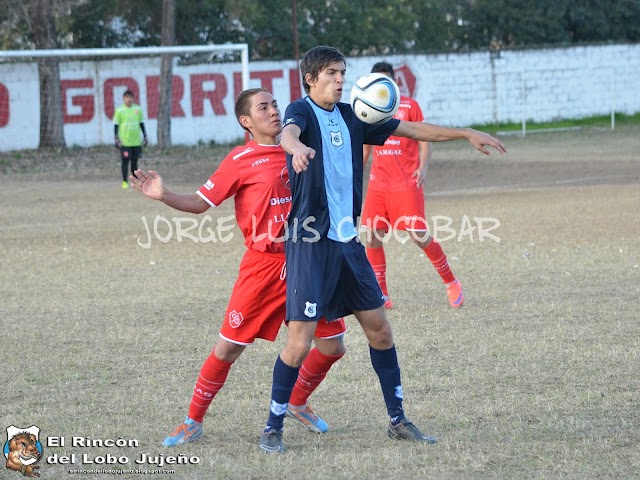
453 89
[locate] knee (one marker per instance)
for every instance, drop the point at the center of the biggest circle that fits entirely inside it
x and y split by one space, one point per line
422 239
381 338
331 347
374 238
227 351
295 353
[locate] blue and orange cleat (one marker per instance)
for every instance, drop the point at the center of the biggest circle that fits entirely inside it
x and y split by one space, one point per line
388 304
305 417
454 292
186 432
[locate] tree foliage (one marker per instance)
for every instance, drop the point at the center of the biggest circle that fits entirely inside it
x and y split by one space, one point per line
354 26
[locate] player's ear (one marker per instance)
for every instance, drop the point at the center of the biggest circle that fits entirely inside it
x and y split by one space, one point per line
245 121
309 79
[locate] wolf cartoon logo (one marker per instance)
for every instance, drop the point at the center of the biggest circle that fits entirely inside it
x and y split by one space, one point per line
23 450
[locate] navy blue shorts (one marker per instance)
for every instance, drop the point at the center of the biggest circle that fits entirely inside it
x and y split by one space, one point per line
329 279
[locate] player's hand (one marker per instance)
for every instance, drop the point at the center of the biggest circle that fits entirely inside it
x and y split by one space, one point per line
480 139
150 184
117 142
145 142
420 175
301 158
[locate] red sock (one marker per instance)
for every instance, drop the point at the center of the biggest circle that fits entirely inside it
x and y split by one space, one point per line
379 264
211 379
312 372
439 260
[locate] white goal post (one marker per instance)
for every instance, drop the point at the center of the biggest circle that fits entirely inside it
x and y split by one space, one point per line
206 80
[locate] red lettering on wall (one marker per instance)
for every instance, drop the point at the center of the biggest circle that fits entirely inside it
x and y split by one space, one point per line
153 96
85 102
266 78
215 96
110 84
294 84
237 85
4 105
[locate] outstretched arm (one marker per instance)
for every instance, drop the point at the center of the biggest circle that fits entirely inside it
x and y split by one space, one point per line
152 186
290 142
435 133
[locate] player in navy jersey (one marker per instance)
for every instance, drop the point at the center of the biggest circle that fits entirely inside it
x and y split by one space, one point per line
255 175
327 269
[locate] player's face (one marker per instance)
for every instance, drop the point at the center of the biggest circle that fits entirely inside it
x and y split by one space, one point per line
264 116
128 100
326 90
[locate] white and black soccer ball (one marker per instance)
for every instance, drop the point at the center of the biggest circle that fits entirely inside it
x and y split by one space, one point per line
375 98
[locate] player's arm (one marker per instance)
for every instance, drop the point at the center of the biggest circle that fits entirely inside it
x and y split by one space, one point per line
424 156
115 132
366 153
144 132
435 133
290 142
152 186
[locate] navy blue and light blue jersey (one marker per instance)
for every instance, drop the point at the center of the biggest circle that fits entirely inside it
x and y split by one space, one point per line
327 197
338 172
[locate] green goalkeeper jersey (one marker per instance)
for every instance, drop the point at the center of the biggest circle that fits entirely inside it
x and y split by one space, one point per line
128 120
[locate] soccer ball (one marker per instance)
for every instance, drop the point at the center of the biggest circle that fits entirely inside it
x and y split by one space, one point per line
375 98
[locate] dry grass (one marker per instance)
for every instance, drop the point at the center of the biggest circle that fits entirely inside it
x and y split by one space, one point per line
536 377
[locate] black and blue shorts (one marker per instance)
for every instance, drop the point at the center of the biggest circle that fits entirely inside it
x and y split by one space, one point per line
329 279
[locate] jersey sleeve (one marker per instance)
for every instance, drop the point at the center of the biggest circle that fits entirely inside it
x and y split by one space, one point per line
378 134
296 114
224 183
116 117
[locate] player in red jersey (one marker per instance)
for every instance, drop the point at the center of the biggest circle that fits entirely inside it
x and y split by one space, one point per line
395 199
256 174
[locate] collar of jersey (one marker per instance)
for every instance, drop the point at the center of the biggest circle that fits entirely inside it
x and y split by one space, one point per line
308 98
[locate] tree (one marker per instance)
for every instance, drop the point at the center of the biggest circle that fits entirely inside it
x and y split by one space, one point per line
44 37
166 73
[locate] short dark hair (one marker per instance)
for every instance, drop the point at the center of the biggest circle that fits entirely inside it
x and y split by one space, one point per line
128 93
383 67
317 59
243 103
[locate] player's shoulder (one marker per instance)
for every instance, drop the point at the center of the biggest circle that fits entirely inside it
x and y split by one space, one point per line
408 102
251 150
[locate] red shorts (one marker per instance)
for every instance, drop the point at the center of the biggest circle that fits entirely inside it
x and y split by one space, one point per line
257 305
394 210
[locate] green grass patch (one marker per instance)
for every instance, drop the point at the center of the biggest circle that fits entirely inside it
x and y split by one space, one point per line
599 121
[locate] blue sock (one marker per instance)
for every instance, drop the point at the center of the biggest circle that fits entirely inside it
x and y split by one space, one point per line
385 363
284 379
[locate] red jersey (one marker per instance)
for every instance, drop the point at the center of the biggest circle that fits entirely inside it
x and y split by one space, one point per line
257 176
396 160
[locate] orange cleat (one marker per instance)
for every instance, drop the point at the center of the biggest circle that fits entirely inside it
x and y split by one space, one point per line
454 292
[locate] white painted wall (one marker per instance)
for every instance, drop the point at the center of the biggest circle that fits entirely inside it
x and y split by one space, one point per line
453 89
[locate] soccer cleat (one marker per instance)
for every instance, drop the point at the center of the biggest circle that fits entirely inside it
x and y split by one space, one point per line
186 432
454 292
405 430
125 185
271 440
306 417
388 304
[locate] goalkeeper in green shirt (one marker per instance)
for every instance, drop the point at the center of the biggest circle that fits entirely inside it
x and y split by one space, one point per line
128 121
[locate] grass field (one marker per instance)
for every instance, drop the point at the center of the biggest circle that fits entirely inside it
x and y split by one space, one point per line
535 377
